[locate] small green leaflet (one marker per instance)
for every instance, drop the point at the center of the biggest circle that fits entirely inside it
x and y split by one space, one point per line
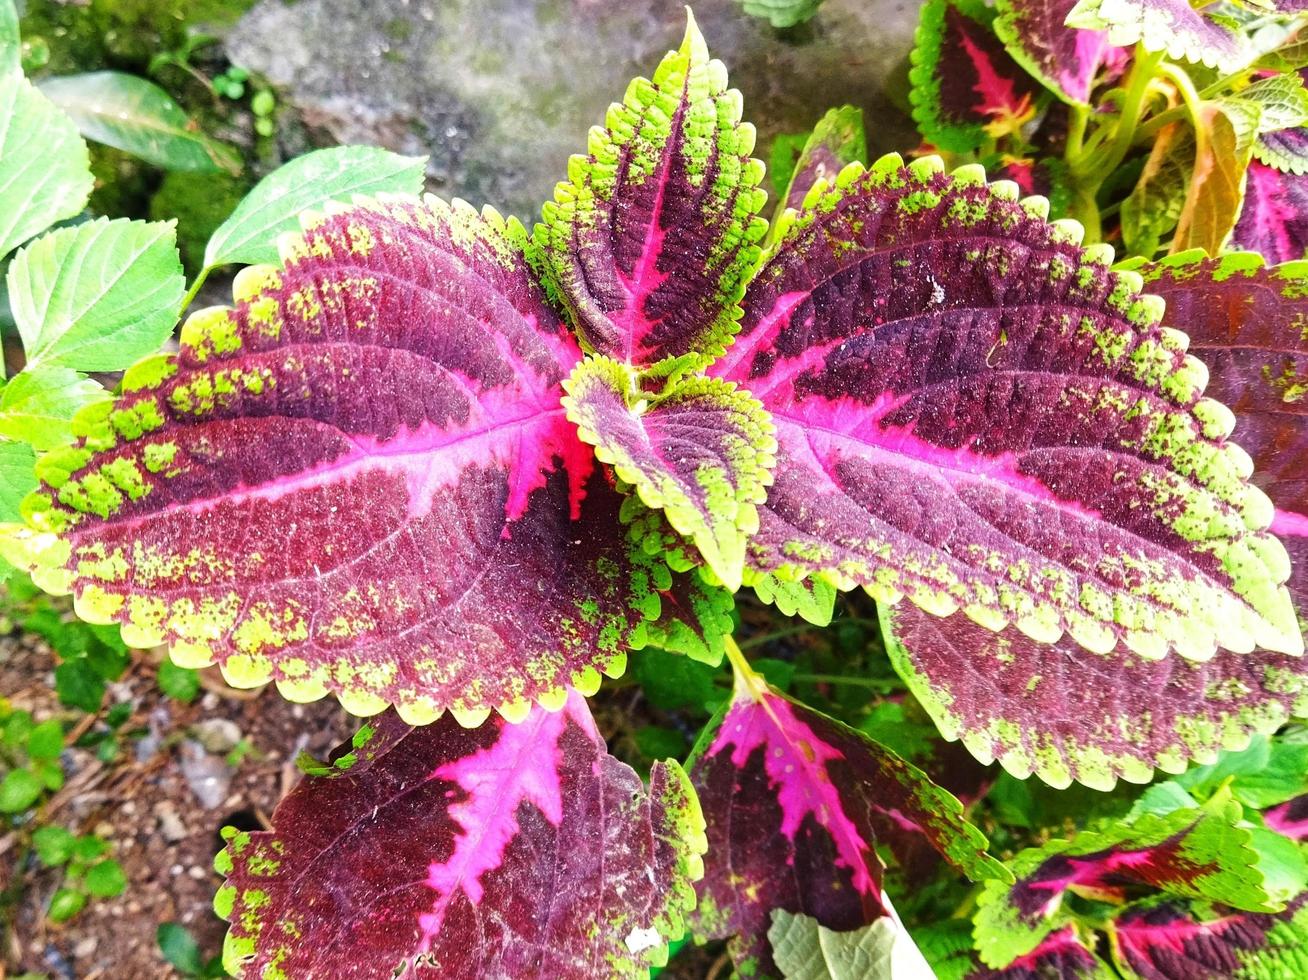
37 405
98 296
10 44
140 118
45 171
249 236
806 950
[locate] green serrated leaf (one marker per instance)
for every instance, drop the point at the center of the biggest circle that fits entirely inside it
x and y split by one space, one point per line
812 599
46 740
45 170
138 117
806 950
338 173
36 406
106 879
53 845
98 296
1281 863
17 478
1282 99
78 685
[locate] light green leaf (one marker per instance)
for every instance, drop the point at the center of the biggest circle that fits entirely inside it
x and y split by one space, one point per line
140 118
782 13
18 791
1154 206
45 170
99 296
805 950
335 174
16 478
37 405
106 879
1281 861
1283 100
10 41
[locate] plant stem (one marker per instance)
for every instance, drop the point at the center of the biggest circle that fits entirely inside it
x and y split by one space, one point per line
1133 104
195 288
748 681
1076 132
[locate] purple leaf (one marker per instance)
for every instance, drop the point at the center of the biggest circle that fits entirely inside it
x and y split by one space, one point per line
1289 819
651 240
1065 59
974 412
1196 853
1061 956
1274 217
1172 26
791 800
702 451
1173 940
504 851
359 480
1284 149
965 86
1066 714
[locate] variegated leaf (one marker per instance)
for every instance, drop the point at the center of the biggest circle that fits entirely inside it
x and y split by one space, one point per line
1065 59
1274 215
1173 26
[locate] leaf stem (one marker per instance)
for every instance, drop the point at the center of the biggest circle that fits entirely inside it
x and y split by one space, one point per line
195 288
1133 105
748 682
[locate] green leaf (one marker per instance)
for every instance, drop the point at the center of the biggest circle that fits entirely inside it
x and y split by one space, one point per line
45 170
54 845
98 296
140 118
19 790
806 950
782 13
65 904
36 406
46 740
89 847
657 742
250 235
179 948
78 685
672 681
10 41
1281 862
17 478
1267 772
1217 186
1282 99
179 683
1153 208
106 879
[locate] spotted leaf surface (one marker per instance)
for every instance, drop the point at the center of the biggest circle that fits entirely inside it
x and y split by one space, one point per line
1188 853
1065 59
529 837
965 86
1172 26
653 236
1273 218
1065 714
1245 320
792 801
1177 940
975 412
701 451
358 480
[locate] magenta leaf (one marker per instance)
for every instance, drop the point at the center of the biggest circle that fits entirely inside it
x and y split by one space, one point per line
1066 714
792 800
1006 429
359 480
1178 940
1284 149
653 236
701 450
1274 216
965 86
509 850
1065 59
1171 26
1198 853
1289 818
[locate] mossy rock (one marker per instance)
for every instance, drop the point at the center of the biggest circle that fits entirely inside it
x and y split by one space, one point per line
200 203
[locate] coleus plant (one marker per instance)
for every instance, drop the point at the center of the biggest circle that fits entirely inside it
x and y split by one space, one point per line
452 472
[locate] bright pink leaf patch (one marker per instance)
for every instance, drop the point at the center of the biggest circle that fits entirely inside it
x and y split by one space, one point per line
1067 60
792 800
360 480
530 837
974 412
652 238
1274 217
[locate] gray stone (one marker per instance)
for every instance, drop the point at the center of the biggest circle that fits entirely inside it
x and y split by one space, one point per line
501 92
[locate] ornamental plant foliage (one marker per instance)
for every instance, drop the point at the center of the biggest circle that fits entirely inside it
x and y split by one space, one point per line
453 472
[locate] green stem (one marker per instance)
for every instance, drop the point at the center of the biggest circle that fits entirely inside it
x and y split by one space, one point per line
748 681
195 288
1076 132
1133 105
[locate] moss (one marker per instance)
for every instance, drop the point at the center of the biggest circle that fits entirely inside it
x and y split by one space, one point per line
123 184
200 203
